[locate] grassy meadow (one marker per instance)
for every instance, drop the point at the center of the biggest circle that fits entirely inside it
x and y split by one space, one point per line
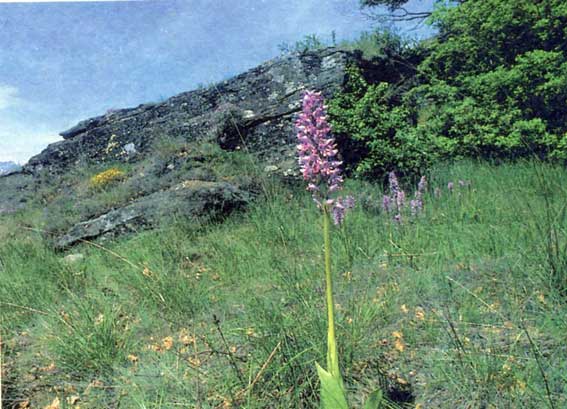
460 307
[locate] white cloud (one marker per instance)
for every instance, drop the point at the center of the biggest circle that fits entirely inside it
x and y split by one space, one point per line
20 138
8 96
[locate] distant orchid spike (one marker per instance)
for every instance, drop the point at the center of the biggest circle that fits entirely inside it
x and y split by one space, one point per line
400 199
396 202
417 204
340 208
338 212
397 196
415 207
394 184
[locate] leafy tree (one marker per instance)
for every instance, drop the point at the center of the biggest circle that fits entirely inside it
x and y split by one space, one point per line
492 83
478 36
507 65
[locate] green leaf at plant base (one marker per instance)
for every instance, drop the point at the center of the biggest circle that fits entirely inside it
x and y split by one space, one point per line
374 400
332 392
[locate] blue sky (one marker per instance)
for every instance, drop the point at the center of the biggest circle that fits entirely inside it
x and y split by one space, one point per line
64 62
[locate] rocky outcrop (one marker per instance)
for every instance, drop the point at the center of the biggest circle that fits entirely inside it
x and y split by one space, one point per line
252 112
252 109
192 198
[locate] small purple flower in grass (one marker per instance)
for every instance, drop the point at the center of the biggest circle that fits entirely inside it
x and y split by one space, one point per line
450 186
396 201
437 192
338 213
394 184
400 199
386 203
340 208
415 207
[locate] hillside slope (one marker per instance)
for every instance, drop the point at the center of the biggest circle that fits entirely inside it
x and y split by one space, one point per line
158 148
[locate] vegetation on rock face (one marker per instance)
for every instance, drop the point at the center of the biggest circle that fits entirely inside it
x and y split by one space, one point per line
107 178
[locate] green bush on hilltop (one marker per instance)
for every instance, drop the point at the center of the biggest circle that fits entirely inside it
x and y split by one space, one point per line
491 84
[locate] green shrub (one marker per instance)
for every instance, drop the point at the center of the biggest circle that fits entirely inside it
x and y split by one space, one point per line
495 79
309 42
491 84
375 129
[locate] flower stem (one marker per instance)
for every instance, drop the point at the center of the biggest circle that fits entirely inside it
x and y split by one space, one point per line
332 354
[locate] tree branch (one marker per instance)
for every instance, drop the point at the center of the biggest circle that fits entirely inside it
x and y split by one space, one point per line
400 14
396 10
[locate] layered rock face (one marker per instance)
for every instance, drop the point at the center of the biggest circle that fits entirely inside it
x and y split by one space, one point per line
190 198
252 112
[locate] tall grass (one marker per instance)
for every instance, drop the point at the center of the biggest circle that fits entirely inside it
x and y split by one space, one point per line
456 308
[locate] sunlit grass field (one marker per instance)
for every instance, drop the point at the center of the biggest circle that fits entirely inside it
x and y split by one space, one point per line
460 307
